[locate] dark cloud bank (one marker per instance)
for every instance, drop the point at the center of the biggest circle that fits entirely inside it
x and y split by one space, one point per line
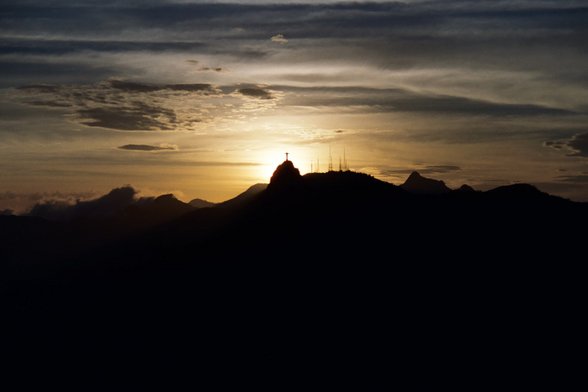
133 106
136 106
122 105
479 38
255 93
147 147
577 146
147 88
488 35
424 169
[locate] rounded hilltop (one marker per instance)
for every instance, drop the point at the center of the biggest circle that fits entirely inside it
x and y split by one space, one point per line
285 175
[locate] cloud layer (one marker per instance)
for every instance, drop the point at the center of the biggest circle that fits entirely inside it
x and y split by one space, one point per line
280 39
147 147
133 106
577 146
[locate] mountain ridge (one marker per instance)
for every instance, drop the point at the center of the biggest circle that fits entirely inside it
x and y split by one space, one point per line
328 269
346 198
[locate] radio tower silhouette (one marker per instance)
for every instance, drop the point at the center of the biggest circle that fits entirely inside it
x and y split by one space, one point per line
330 160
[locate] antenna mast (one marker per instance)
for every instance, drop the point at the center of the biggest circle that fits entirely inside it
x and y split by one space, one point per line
330 160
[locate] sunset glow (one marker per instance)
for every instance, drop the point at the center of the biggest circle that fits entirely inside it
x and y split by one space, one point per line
202 99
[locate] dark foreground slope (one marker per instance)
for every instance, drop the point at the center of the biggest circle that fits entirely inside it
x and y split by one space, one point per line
336 275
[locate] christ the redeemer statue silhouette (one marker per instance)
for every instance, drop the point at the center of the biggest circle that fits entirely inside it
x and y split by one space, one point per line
287 156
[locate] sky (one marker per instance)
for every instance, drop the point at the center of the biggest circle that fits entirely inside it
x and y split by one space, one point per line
203 98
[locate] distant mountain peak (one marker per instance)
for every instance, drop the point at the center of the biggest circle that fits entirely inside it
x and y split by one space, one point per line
517 190
200 203
465 188
415 175
416 183
285 175
167 196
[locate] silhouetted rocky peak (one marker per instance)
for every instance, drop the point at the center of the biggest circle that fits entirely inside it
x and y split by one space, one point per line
285 175
415 183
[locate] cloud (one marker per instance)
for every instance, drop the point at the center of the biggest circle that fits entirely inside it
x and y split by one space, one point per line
256 93
577 179
137 117
577 146
6 212
148 88
395 100
558 145
125 105
102 105
279 38
21 202
133 87
440 169
147 147
133 106
34 102
474 49
41 88
193 87
207 69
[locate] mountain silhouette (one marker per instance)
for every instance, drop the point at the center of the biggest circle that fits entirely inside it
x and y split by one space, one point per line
155 211
243 198
354 203
518 192
200 203
336 268
465 188
415 183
